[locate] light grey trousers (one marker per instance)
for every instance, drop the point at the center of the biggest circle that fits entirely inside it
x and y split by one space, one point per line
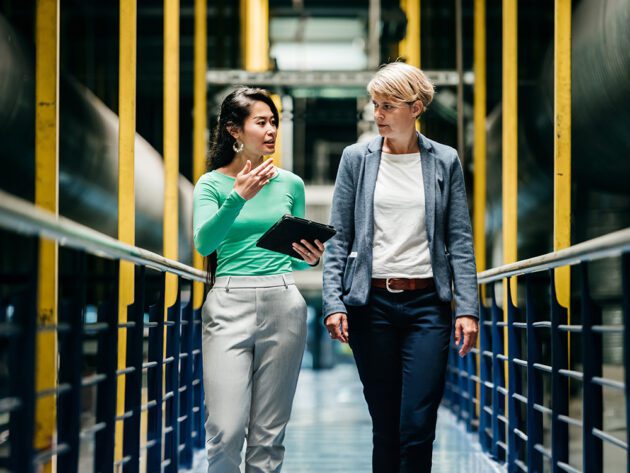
254 332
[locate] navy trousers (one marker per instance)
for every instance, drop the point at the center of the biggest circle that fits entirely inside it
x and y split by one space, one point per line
400 345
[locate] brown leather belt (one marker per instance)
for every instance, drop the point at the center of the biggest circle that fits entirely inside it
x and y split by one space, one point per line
402 284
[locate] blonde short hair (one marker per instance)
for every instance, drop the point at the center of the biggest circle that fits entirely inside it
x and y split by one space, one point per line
402 83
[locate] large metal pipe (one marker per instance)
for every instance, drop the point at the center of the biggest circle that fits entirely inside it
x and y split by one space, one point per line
601 137
88 154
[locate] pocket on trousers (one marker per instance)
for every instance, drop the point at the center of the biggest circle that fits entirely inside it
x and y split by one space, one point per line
297 312
348 274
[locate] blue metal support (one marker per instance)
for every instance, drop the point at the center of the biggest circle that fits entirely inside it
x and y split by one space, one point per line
199 414
559 382
186 381
534 420
106 391
172 421
154 383
133 381
498 379
21 379
592 400
514 383
70 367
625 305
485 375
471 368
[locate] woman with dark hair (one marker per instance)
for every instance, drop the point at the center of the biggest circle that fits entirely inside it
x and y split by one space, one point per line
254 318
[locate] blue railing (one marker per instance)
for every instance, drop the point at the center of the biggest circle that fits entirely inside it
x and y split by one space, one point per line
527 423
164 386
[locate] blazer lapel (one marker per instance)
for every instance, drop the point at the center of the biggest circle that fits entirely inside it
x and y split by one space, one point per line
428 177
372 163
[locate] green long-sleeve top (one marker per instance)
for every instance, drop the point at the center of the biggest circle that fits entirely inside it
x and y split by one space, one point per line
224 221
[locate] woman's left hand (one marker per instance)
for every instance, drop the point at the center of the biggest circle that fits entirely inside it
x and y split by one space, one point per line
310 252
468 326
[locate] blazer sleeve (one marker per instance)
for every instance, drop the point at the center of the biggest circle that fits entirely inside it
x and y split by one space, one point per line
459 243
338 247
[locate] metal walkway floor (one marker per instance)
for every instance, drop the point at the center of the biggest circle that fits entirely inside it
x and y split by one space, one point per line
330 431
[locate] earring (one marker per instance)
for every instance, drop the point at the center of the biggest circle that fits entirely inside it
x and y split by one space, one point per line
238 146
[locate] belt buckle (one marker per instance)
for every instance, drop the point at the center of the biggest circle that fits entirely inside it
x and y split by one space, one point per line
389 289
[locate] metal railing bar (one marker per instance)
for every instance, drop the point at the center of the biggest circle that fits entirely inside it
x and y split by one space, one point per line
543 451
519 324
53 328
542 367
86 433
522 435
612 244
570 420
21 216
571 374
609 438
9 404
568 468
8 329
520 398
44 456
58 390
92 380
607 328
543 409
95 327
609 383
542 324
570 328
521 465
518 361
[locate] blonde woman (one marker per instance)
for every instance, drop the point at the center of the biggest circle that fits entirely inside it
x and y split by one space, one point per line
403 252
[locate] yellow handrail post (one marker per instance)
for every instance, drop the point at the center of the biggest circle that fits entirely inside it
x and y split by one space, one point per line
255 34
409 46
171 143
200 120
510 151
277 155
479 149
562 150
126 191
47 197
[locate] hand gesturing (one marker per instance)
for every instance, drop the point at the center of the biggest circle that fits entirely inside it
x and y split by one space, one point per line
249 182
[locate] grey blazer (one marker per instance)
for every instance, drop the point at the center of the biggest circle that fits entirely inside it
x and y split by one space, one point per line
348 257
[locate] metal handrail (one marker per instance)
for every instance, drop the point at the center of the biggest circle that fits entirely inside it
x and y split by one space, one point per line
605 246
21 216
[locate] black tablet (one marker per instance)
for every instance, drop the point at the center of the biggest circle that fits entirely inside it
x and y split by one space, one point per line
290 229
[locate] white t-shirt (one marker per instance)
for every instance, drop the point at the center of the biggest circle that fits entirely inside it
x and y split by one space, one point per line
400 247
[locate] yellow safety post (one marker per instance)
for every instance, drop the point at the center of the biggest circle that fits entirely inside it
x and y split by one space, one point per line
47 197
255 34
562 149
409 46
200 120
277 155
171 144
126 192
510 152
479 149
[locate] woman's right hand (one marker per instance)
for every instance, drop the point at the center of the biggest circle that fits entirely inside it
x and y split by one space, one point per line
249 182
337 326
